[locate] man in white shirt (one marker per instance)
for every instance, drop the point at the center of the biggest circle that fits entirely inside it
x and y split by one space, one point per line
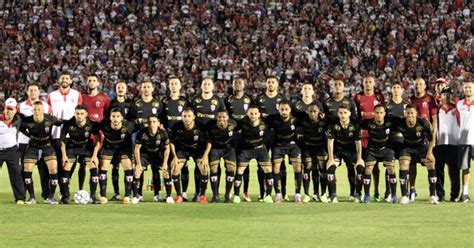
465 108
446 145
9 152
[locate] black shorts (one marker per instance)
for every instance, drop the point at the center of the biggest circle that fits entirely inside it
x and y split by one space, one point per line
396 148
259 153
292 150
348 155
228 154
314 154
82 153
465 155
109 154
152 162
185 155
414 154
381 155
34 154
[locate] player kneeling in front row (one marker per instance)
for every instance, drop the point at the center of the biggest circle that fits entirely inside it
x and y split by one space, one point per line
251 146
379 130
117 142
76 143
38 128
418 144
152 147
344 143
188 141
220 141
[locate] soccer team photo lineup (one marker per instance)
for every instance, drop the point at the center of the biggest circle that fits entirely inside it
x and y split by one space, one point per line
223 135
206 97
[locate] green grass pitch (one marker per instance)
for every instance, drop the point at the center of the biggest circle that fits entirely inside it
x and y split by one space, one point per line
252 224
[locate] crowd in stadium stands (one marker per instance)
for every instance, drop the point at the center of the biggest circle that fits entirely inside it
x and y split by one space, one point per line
298 41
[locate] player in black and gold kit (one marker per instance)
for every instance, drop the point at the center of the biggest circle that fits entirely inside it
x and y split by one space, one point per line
284 127
77 145
237 105
117 142
418 144
38 128
152 148
173 106
220 145
253 132
206 106
314 152
344 143
379 150
188 141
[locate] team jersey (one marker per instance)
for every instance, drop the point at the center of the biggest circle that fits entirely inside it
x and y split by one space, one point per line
8 132
26 109
331 107
39 132
268 105
220 137
172 110
188 139
426 106
252 136
285 131
393 109
152 144
379 134
124 107
237 107
366 104
344 138
97 106
314 133
448 127
63 106
466 119
417 135
76 136
207 109
301 107
117 139
141 110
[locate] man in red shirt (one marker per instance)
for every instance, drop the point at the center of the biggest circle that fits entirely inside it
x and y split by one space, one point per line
366 102
97 104
426 107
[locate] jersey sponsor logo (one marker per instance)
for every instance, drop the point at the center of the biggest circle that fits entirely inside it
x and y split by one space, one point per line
246 100
155 104
214 101
198 100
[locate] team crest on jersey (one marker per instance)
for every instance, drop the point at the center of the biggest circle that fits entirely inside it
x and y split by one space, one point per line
198 100
261 133
86 134
154 110
424 104
213 107
158 142
196 137
351 134
418 134
299 106
292 127
97 104
376 102
320 129
125 110
180 108
122 136
231 133
46 129
262 100
387 131
337 127
246 106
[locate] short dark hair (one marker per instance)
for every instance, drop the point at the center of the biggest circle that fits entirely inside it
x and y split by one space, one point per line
379 106
284 102
32 84
254 106
65 73
345 106
410 106
115 110
187 109
81 107
38 103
